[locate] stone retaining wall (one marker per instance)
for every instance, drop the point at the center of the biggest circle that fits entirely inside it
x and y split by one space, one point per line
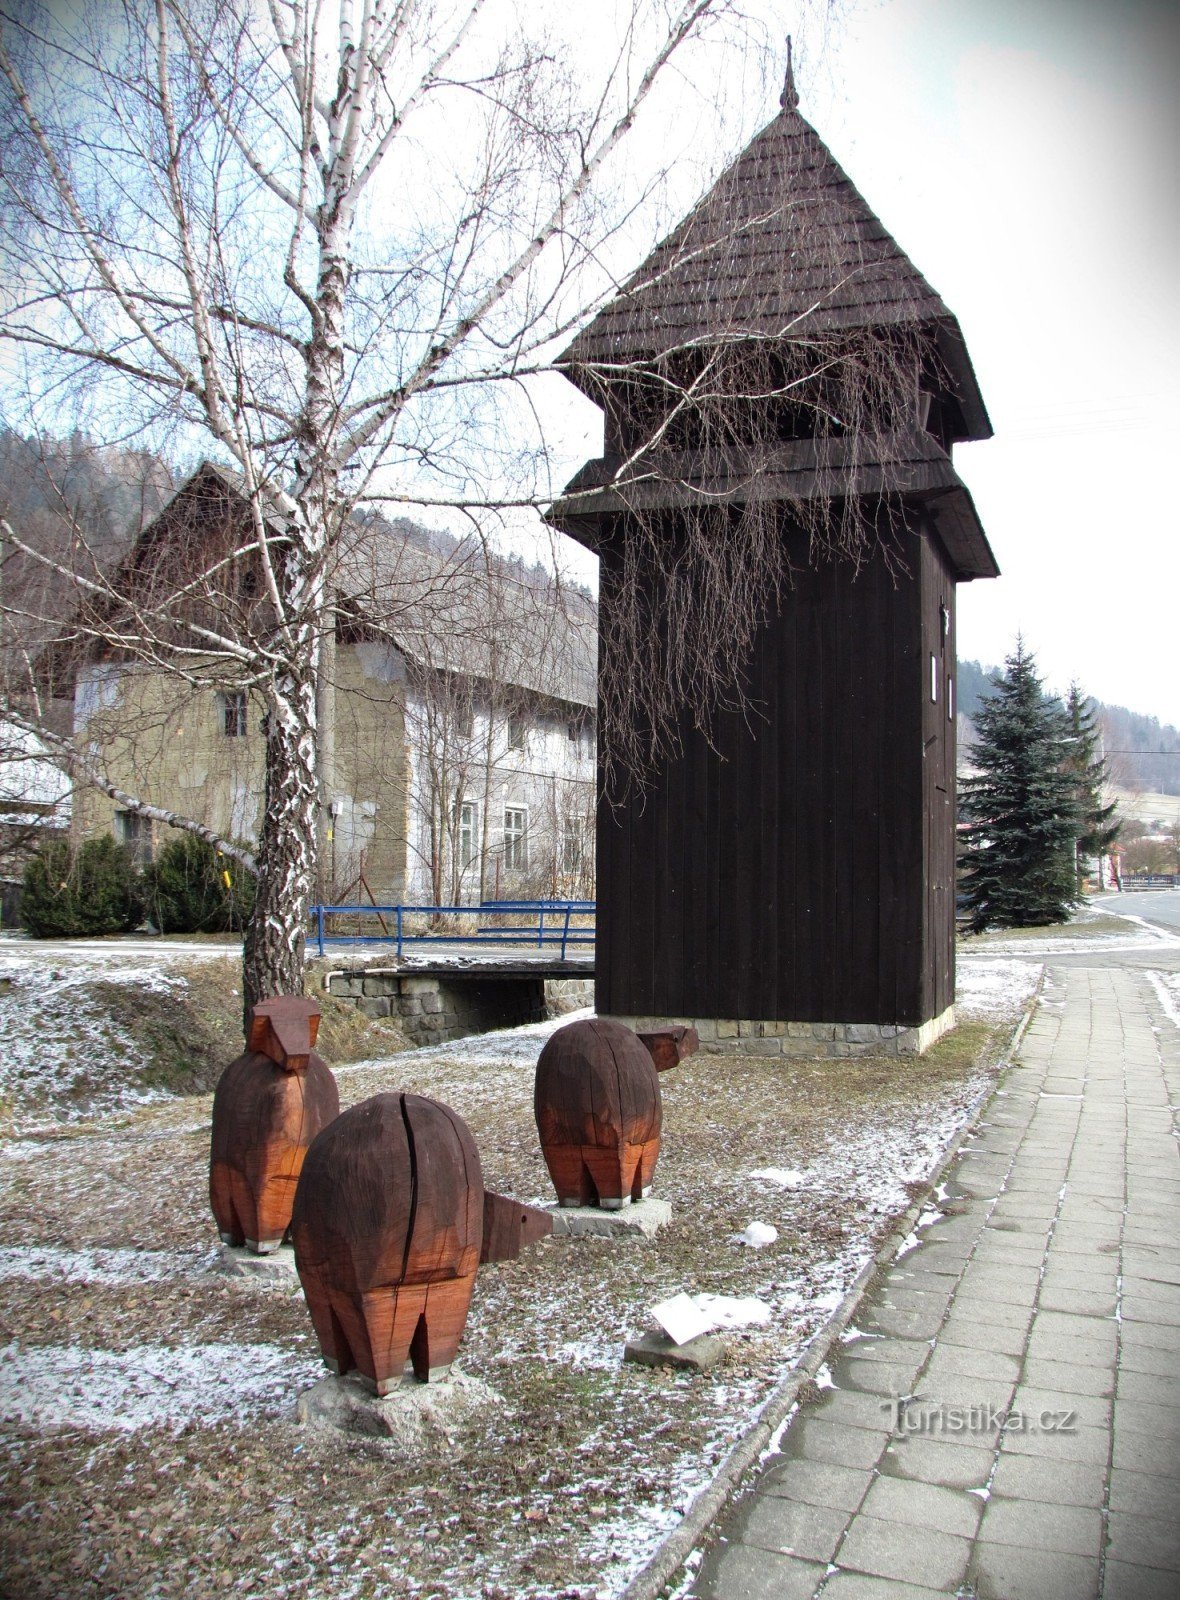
435 1010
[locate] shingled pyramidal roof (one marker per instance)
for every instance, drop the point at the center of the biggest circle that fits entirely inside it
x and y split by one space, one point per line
784 247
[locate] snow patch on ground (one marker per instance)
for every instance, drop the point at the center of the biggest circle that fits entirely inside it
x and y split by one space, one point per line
507 1047
1140 935
988 988
506 1059
151 1386
782 1177
98 1266
99 954
757 1235
62 1049
1167 988
873 1167
594 1354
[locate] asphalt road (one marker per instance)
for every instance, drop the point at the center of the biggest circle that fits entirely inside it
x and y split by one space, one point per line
1153 945
1161 906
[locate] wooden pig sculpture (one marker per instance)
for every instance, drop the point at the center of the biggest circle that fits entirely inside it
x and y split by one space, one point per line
269 1105
391 1222
597 1102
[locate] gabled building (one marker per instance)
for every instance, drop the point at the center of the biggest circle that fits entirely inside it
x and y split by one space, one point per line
456 715
788 882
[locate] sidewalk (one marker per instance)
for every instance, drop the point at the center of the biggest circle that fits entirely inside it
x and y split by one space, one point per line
1006 1417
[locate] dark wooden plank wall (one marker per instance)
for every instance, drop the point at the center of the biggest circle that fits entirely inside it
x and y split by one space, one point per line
798 871
938 774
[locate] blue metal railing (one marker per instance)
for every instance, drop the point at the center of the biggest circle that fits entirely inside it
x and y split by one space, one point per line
548 924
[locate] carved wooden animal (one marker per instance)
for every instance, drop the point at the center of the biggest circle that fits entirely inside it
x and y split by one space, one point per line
669 1046
597 1103
269 1106
509 1224
388 1230
391 1221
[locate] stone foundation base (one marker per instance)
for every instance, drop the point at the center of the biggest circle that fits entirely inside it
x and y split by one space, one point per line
275 1266
563 995
415 1415
721 1036
638 1219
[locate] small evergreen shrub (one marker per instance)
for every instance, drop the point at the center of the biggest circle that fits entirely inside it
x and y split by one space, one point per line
192 888
73 894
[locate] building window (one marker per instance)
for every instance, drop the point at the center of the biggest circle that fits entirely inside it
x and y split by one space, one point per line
134 832
468 832
464 719
934 677
233 713
950 699
516 838
517 731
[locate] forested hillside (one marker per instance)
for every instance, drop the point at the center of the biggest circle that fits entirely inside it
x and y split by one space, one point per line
81 505
1142 751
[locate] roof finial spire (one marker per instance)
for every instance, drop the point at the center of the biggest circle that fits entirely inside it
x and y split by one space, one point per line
789 99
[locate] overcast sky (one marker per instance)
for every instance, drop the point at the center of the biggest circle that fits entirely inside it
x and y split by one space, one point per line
1025 154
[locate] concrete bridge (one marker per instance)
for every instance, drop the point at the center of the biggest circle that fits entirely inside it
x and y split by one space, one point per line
452 992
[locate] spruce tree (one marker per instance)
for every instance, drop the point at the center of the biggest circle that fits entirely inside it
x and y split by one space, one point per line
192 888
1097 829
1020 806
83 894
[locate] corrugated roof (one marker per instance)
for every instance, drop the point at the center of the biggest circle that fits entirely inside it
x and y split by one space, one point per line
783 246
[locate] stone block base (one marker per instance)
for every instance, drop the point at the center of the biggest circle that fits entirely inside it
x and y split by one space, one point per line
722 1036
275 1267
642 1219
694 1355
413 1416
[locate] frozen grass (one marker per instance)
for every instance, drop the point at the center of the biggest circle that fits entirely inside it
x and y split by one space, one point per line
64 1054
994 989
91 1037
149 1446
54 1387
1091 931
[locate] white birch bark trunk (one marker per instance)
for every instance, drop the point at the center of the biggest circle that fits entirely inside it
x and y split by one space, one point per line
288 854
276 936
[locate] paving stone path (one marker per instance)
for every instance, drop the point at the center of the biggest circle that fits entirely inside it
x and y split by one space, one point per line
1035 1337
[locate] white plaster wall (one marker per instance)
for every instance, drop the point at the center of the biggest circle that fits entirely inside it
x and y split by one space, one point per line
550 777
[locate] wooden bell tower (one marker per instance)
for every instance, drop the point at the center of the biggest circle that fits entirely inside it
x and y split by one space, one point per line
788 886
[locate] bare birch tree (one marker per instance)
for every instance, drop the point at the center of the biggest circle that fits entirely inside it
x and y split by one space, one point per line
317 238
